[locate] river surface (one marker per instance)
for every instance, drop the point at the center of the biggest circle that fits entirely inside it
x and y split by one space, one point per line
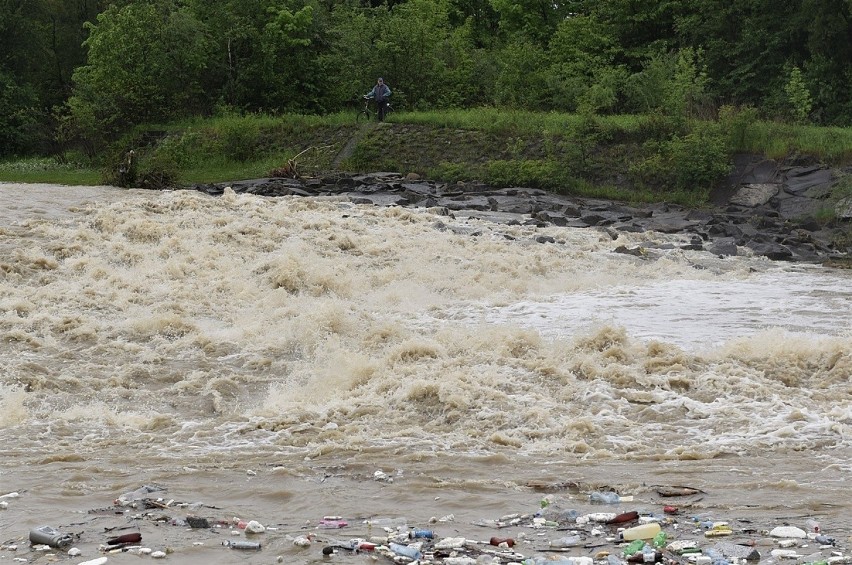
284 359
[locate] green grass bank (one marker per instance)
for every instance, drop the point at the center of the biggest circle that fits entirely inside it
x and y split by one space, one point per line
632 158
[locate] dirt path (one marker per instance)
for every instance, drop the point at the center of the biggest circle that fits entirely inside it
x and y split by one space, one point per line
350 146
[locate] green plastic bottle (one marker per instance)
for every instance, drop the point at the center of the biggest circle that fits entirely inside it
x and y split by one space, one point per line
660 539
634 546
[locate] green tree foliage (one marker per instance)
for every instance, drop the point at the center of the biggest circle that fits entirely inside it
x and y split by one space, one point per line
798 96
18 126
145 65
523 81
641 28
583 72
111 64
672 84
829 63
532 20
746 44
286 66
479 17
426 61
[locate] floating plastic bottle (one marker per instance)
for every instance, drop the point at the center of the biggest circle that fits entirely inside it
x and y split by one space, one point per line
556 514
405 550
566 541
624 517
559 561
141 493
660 539
642 531
48 535
716 558
647 555
600 517
332 523
509 542
134 537
426 534
812 525
386 522
604 497
633 547
252 545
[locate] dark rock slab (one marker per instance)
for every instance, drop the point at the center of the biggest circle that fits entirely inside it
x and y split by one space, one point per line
767 208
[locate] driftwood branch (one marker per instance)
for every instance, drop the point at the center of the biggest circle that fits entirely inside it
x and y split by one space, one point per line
289 170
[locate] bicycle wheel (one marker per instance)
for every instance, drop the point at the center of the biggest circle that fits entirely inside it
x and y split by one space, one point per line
363 116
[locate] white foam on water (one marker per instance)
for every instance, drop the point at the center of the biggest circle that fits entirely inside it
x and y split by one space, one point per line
263 321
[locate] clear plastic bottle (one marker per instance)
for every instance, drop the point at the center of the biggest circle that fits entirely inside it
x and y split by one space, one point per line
405 550
566 541
387 522
604 497
812 526
253 545
716 557
556 514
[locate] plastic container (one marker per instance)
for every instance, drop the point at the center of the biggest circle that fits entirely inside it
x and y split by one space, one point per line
624 517
716 558
48 535
566 541
405 550
646 557
824 540
386 522
426 534
557 514
499 541
604 498
332 524
660 540
642 531
134 537
560 561
633 547
251 545
812 525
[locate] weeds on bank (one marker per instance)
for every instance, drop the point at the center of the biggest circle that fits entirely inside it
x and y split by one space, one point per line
48 170
660 158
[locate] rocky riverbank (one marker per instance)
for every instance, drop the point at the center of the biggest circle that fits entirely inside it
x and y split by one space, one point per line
766 208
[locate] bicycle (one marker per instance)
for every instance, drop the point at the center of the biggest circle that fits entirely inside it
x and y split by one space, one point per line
366 113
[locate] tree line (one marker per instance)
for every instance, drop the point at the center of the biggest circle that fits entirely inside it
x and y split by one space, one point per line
81 72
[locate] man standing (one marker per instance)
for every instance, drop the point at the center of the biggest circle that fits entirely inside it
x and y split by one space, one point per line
381 93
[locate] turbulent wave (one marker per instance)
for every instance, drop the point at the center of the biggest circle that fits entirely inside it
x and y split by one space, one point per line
310 326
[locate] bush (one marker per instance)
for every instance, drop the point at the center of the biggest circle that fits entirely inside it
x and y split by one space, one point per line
700 158
694 161
239 138
533 173
737 124
451 172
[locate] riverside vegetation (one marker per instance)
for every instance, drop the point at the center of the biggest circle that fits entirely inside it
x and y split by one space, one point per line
635 158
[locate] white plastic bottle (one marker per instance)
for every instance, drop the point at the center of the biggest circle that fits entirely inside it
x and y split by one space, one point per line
642 531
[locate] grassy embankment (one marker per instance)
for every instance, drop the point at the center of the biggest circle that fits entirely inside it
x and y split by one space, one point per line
633 158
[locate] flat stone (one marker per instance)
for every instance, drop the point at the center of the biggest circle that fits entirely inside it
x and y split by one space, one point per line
754 194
